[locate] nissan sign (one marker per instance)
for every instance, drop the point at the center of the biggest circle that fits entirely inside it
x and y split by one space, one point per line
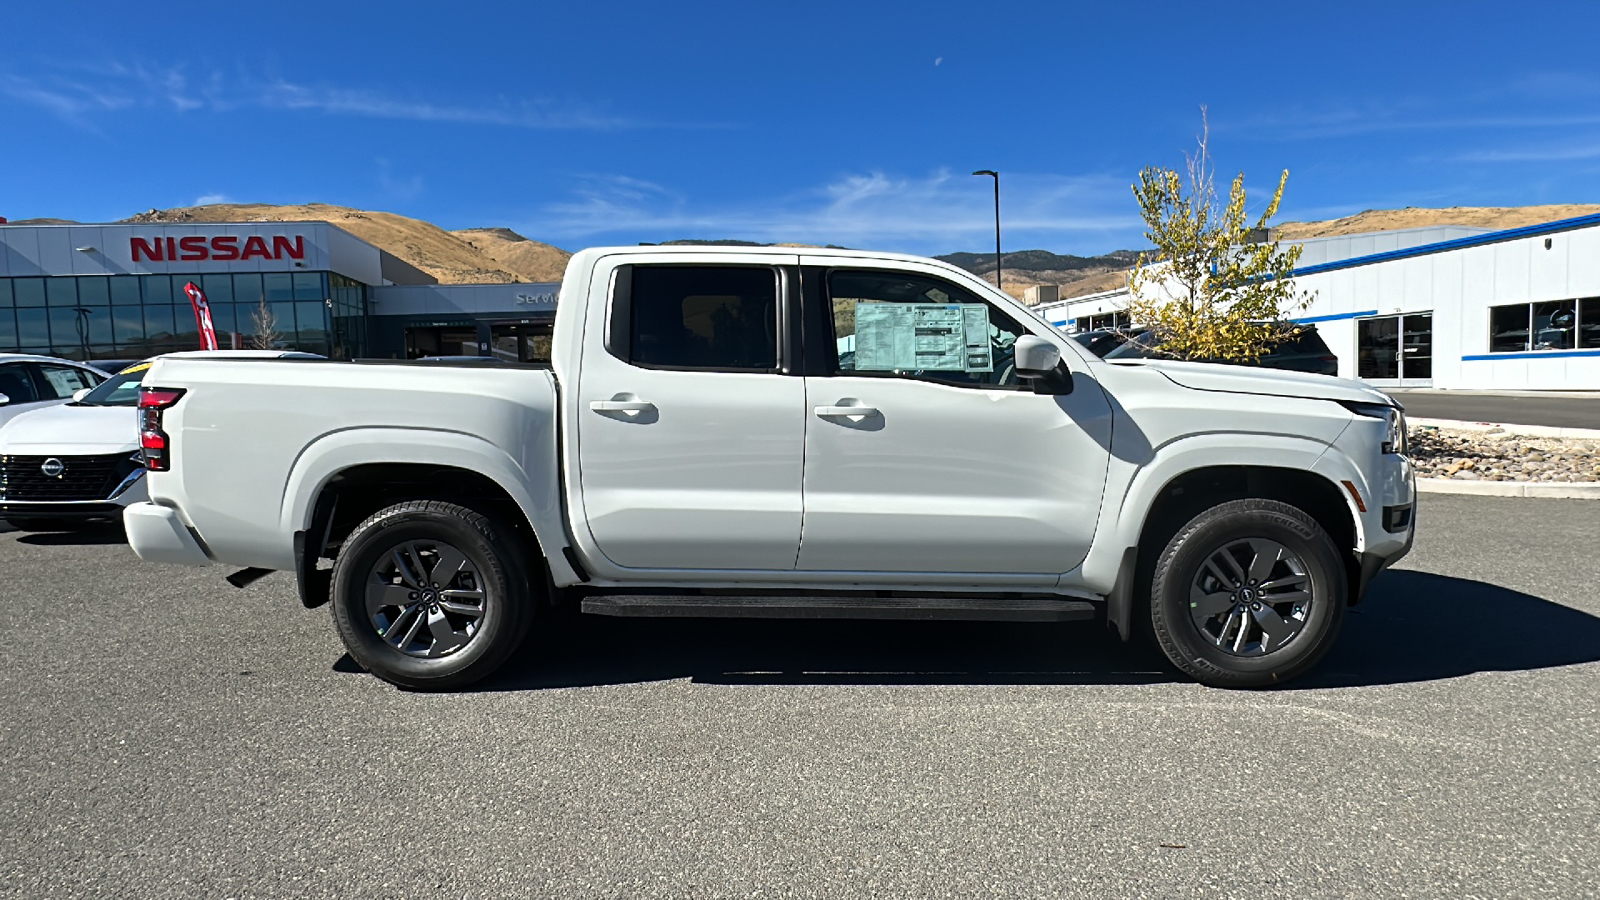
222 247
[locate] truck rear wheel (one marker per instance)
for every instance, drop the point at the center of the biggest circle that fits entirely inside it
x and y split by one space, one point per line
430 595
1248 594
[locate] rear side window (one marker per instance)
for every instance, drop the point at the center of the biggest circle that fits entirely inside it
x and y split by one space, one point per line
16 385
703 317
61 382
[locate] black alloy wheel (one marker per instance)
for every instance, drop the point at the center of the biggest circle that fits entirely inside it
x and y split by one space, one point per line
1249 593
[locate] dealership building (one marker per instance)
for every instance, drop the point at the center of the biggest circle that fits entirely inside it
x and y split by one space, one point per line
117 292
1442 307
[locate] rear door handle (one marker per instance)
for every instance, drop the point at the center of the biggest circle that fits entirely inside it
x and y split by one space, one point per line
832 411
621 405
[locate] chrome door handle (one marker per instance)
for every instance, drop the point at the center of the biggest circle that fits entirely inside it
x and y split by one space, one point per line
631 406
832 411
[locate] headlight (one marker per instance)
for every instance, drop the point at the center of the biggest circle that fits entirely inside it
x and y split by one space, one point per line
1394 418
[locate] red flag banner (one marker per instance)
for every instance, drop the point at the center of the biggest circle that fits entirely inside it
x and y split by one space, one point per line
202 316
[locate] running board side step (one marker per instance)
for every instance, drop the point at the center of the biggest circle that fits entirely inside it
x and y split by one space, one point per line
994 609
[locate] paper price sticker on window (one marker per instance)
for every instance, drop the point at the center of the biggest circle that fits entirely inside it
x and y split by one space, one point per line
935 337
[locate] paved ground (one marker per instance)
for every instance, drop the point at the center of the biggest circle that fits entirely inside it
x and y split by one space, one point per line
167 736
1568 411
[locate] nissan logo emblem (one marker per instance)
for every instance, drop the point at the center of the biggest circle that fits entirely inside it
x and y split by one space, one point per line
53 467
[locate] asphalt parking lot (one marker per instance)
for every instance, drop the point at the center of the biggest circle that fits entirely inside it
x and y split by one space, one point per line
167 736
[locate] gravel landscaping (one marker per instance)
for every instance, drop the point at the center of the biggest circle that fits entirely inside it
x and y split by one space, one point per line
1497 455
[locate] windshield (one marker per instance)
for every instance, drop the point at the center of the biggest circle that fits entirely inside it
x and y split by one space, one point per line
1139 346
121 390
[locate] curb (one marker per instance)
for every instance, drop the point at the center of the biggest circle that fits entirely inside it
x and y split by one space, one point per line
1560 490
1524 430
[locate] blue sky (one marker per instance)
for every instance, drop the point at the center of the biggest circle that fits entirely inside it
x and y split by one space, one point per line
848 123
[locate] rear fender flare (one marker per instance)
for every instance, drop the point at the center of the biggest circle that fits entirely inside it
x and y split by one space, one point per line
537 496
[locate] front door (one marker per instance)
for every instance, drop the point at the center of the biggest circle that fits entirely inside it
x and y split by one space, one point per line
689 432
1395 351
923 452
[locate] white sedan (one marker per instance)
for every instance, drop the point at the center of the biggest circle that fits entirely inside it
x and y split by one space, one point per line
30 382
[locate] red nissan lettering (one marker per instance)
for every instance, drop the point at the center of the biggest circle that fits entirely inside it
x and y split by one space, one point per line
149 250
255 247
281 246
224 247
193 246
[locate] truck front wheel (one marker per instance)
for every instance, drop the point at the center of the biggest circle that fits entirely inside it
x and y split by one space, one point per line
1248 594
429 595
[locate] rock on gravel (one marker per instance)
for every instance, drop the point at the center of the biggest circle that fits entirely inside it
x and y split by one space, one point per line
1498 455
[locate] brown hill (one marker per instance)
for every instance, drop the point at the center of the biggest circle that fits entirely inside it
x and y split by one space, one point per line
530 260
1495 217
449 257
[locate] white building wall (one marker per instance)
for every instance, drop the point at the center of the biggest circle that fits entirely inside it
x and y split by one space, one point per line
1458 286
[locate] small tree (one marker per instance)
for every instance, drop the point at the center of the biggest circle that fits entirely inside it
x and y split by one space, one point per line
266 327
1208 290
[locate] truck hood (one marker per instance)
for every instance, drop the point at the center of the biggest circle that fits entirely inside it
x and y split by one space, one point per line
71 430
1256 380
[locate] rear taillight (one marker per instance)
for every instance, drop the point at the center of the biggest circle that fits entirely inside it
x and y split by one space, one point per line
155 443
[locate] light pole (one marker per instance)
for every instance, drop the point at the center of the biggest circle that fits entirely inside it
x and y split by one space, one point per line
996 176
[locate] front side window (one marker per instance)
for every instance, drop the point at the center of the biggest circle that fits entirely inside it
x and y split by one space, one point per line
916 326
704 317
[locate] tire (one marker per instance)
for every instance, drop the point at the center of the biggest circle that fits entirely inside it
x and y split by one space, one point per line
444 645
1236 632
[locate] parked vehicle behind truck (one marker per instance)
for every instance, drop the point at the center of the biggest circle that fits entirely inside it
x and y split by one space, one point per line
701 445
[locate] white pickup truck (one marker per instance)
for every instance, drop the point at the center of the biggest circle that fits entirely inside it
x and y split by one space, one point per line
730 431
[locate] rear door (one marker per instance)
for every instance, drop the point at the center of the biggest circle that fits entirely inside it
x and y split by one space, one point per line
923 452
690 432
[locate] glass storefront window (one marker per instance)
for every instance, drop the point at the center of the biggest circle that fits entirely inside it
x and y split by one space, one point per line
5 293
279 287
157 289
93 290
29 291
308 286
127 329
312 319
8 329
125 290
61 291
247 288
1555 325
1589 323
33 330
1508 328
218 288
158 323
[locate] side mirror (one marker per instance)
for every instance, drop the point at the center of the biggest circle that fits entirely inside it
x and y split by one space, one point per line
4 399
1039 361
78 395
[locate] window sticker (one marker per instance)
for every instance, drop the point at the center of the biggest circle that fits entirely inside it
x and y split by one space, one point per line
936 337
65 381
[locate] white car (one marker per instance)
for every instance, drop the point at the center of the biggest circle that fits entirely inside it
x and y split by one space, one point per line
33 382
68 463
700 446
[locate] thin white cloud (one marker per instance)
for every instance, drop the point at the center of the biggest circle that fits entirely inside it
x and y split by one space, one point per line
209 199
935 213
1536 153
80 94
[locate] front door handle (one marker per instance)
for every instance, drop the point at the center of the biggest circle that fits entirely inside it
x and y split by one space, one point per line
627 406
833 411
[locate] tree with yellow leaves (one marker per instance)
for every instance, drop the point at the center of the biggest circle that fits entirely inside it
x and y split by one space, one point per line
1207 290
